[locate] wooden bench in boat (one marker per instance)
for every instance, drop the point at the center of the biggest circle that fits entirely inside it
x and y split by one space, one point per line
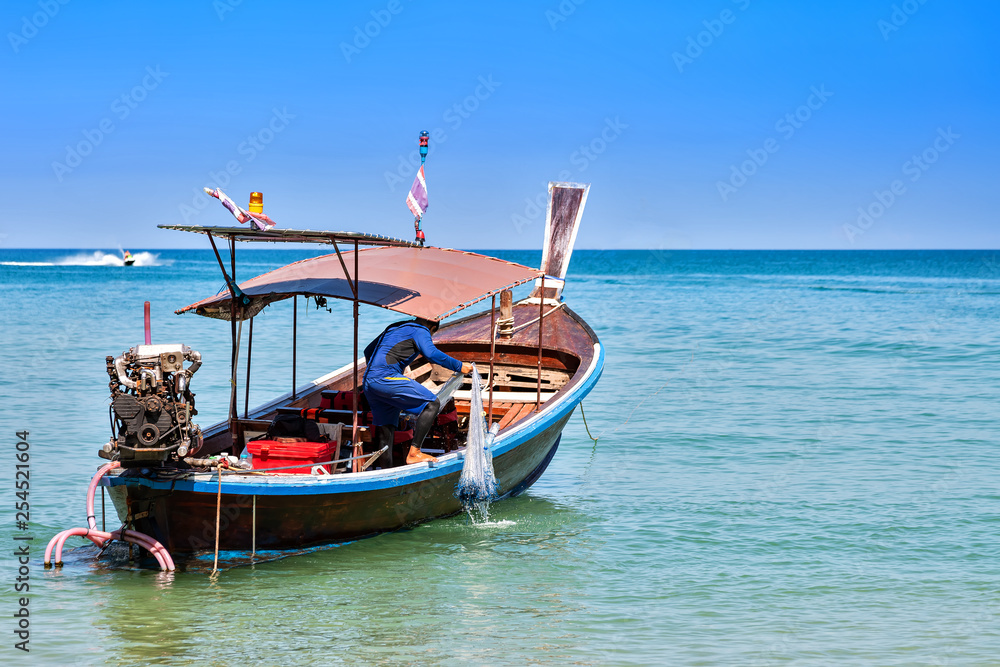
517 413
508 376
507 412
502 396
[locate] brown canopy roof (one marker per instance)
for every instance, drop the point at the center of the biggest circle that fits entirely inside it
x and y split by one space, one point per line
431 283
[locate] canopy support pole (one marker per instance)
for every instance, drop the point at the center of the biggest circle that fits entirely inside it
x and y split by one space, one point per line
246 398
295 331
493 347
233 414
231 284
541 323
353 284
354 408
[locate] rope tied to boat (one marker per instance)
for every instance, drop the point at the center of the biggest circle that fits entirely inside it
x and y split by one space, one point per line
585 426
530 322
218 512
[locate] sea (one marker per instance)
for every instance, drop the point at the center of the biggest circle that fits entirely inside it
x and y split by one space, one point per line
791 459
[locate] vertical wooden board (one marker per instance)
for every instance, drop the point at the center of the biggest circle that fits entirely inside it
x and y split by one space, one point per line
566 202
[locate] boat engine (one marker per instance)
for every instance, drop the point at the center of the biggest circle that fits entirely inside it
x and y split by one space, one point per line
152 405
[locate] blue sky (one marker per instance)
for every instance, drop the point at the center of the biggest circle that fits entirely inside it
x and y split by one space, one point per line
717 124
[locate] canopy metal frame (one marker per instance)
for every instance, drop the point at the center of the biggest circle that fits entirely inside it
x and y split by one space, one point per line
239 306
233 234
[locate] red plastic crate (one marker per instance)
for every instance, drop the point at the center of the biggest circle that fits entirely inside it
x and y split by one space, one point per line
273 454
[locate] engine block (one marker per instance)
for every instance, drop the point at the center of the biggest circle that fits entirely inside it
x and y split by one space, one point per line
152 405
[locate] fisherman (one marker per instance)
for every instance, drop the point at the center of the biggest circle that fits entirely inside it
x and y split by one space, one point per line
389 392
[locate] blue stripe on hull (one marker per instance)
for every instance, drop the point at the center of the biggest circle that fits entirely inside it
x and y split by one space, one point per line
295 511
291 485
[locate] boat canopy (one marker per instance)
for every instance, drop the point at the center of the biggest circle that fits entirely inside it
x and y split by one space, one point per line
429 283
291 235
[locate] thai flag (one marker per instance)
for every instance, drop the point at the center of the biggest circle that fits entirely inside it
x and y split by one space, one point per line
417 199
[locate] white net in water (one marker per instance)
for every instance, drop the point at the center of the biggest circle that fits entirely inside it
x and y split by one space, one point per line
477 484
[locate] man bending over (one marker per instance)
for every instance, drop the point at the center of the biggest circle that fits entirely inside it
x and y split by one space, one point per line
389 392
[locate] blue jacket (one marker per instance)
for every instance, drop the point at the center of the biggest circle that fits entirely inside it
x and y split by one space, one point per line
397 346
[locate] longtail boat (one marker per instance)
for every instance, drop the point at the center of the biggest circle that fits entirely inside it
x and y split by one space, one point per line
180 490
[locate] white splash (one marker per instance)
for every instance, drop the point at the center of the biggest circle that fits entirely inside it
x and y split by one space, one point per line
502 523
99 258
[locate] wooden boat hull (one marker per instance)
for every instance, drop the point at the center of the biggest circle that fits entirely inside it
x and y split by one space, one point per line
298 511
184 520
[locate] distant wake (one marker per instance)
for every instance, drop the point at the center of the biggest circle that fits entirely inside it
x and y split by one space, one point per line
97 258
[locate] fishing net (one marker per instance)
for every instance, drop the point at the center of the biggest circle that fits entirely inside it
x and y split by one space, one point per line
477 484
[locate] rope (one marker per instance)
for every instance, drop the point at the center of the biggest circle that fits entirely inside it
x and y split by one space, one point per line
240 471
584 414
637 406
546 314
218 511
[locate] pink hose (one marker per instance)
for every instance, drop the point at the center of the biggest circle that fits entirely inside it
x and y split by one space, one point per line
149 544
92 491
100 537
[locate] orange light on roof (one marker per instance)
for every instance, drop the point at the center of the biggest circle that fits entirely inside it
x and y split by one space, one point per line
256 202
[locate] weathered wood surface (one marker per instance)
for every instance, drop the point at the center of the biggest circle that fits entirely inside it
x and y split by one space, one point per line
568 348
565 204
505 325
184 521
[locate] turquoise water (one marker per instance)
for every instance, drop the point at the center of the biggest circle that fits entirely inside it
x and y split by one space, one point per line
796 465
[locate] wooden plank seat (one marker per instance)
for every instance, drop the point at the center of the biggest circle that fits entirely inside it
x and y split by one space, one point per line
507 413
517 413
505 396
499 409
